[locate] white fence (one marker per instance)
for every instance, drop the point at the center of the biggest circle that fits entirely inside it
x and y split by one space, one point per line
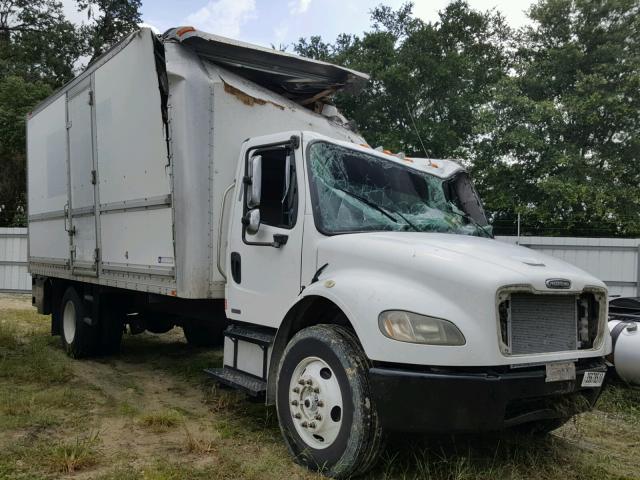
616 261
13 260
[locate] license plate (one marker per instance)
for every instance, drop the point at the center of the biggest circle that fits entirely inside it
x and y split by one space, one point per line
558 372
592 379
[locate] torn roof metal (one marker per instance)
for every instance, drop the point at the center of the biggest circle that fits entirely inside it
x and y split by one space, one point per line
302 79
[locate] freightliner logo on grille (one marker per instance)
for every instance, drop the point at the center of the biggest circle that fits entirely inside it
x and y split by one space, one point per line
558 283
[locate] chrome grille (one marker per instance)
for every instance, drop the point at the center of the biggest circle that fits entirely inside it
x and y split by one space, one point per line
543 323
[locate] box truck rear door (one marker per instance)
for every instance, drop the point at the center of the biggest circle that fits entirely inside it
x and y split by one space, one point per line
82 179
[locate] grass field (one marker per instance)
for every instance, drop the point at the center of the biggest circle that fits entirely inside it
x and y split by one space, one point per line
150 413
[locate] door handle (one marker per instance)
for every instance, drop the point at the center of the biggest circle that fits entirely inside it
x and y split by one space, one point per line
279 240
236 267
67 218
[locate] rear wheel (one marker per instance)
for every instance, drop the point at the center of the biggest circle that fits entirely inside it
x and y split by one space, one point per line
79 332
325 409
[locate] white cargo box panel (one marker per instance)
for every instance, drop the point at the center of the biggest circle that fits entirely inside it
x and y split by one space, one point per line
99 177
133 167
47 184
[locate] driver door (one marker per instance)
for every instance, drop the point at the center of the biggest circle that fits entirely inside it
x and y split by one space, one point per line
264 258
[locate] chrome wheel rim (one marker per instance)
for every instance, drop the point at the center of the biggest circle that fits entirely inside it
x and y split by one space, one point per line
69 321
315 402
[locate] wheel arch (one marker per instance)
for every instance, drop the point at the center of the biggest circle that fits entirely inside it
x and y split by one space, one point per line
310 310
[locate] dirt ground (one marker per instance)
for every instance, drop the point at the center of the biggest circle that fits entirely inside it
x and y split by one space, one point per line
151 413
11 301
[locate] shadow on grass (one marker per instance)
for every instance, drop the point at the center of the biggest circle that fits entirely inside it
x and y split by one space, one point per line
467 457
167 353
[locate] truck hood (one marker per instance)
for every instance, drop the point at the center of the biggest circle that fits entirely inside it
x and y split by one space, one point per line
453 259
454 277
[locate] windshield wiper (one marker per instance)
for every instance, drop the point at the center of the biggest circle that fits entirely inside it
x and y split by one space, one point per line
404 218
369 203
384 210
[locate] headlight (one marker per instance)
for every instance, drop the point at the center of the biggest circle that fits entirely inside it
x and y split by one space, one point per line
414 328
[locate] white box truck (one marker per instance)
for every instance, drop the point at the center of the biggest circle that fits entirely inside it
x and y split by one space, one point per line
191 180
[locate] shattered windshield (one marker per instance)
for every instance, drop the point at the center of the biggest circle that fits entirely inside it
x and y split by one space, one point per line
355 192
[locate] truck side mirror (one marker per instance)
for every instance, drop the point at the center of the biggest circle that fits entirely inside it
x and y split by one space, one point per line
254 190
251 221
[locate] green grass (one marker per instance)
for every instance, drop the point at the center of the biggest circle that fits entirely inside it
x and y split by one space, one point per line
161 421
22 338
621 399
155 416
72 456
511 457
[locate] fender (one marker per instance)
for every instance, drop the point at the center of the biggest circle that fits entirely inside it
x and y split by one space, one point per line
361 294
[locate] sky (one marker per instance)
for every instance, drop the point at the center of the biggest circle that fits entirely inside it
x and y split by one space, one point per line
282 22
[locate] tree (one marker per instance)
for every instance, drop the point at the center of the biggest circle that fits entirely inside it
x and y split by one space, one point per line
112 20
427 79
564 142
36 41
548 118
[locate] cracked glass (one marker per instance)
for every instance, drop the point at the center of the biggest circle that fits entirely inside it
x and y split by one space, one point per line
357 192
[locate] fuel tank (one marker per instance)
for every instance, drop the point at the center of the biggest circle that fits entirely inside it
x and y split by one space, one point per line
624 325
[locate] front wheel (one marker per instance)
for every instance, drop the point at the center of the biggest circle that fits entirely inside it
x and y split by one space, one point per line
325 409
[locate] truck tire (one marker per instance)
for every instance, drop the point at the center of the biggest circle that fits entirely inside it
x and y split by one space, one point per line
204 334
111 327
327 416
79 333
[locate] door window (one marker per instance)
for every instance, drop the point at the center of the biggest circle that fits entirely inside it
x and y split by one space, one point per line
279 198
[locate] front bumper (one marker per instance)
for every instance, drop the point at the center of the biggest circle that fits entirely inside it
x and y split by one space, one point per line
489 399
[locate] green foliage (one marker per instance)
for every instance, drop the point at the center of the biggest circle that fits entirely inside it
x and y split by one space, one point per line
439 74
547 117
36 41
112 21
562 135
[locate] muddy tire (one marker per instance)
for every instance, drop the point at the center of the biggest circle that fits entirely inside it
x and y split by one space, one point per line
325 409
78 332
204 334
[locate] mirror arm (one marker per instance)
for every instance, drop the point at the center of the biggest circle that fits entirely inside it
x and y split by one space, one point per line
278 240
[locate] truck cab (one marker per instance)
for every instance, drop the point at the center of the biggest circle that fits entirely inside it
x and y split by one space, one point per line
392 259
